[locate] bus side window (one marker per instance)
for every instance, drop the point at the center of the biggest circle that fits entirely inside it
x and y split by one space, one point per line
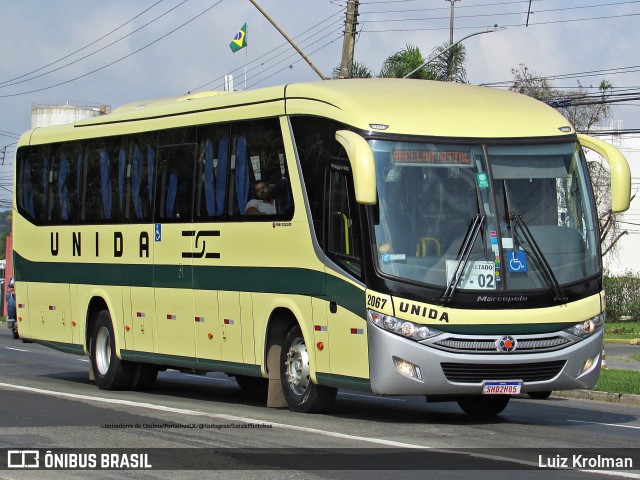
143 163
258 156
211 172
63 187
33 176
174 196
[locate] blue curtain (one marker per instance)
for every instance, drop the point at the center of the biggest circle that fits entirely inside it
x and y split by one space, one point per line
63 193
150 171
105 184
221 174
122 160
209 187
79 178
27 199
242 174
171 194
45 183
136 180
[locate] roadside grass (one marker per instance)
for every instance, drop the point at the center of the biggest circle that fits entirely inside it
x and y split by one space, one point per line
636 357
619 381
621 330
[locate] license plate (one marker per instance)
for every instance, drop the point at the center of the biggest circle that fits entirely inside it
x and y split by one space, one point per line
501 388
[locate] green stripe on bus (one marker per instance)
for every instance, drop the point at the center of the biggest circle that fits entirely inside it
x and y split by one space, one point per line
192 362
342 381
284 280
61 346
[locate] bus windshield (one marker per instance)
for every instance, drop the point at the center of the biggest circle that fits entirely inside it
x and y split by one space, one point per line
494 217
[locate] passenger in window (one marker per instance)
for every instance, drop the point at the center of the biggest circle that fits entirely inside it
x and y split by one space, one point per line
264 203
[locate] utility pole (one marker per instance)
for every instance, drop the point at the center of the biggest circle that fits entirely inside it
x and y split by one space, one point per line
288 39
451 21
348 45
449 79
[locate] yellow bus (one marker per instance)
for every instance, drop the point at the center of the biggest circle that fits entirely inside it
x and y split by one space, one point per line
401 237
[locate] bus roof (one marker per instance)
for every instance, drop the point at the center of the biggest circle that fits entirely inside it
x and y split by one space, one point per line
412 107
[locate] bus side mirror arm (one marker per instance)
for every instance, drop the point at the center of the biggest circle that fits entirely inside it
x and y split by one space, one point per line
620 173
363 166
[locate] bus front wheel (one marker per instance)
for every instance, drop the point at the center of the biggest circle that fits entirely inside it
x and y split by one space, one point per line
300 393
483 405
109 371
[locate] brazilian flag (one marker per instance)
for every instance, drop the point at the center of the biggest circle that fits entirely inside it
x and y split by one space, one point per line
240 40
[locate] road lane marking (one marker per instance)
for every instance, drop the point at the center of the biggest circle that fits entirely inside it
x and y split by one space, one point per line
606 424
17 349
328 433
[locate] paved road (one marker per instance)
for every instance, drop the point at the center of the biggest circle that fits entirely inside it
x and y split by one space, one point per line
618 356
48 402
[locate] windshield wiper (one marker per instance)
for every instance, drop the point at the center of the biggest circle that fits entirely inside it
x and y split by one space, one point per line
516 220
475 226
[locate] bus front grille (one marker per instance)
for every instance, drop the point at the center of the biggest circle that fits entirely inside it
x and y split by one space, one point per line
489 345
477 373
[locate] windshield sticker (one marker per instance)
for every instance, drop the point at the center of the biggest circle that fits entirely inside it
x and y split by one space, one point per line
386 258
507 243
430 157
517 261
483 180
384 248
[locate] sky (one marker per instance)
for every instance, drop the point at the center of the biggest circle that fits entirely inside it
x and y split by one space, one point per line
117 51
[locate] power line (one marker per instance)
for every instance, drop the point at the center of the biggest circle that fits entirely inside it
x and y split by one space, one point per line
120 59
479 27
263 59
84 47
94 52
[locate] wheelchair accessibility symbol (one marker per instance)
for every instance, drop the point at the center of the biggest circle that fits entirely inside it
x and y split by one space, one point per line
517 261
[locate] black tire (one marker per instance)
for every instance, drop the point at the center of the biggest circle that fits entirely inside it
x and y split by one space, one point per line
483 405
109 371
252 384
144 376
539 395
300 393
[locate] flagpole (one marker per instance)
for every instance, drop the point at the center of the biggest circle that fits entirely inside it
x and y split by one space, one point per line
246 55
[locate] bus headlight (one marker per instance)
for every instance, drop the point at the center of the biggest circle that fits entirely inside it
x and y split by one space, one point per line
404 328
588 327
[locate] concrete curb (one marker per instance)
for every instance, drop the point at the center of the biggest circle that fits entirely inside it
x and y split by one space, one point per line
624 341
620 398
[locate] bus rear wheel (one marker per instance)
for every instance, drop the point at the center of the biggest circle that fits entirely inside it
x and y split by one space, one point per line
109 371
483 405
300 393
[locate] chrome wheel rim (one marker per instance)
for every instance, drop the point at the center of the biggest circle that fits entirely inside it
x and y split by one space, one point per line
297 367
103 351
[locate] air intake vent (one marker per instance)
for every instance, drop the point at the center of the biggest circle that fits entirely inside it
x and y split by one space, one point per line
477 373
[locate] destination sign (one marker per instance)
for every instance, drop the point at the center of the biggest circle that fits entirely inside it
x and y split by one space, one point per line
431 157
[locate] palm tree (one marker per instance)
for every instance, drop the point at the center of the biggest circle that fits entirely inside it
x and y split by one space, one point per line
449 65
401 63
358 70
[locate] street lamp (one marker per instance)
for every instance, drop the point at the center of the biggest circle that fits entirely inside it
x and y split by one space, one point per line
495 28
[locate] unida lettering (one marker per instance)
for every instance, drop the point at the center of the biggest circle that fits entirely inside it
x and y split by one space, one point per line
422 311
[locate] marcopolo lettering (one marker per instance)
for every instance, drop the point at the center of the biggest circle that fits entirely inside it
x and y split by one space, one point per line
507 299
424 311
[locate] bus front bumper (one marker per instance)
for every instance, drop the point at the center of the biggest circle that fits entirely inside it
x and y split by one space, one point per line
399 366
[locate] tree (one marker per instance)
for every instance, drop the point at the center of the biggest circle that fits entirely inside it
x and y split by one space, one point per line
584 112
358 70
449 66
398 64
